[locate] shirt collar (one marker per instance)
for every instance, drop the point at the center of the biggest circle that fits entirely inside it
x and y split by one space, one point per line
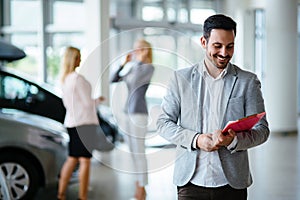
221 75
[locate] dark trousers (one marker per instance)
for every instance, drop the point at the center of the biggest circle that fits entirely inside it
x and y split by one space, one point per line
194 192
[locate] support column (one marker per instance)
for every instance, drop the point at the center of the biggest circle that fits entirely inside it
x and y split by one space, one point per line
95 66
42 42
280 79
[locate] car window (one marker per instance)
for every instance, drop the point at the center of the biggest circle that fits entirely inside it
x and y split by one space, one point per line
14 88
18 93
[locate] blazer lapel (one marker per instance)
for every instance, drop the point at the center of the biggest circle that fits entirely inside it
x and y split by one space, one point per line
197 87
229 83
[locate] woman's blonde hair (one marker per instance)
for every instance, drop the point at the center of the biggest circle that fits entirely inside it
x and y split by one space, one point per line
143 44
69 61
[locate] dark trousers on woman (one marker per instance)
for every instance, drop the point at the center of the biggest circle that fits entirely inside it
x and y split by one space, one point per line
194 192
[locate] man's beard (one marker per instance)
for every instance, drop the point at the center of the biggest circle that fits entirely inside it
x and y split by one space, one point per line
215 64
226 59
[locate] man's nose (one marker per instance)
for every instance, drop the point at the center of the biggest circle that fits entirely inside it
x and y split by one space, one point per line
223 51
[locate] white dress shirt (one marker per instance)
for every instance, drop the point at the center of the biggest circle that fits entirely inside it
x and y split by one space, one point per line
209 172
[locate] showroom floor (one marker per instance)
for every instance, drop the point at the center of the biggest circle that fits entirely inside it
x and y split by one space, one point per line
274 165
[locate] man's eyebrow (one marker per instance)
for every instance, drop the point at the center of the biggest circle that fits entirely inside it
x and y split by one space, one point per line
231 43
217 43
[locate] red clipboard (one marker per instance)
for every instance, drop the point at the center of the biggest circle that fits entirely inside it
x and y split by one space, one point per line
243 124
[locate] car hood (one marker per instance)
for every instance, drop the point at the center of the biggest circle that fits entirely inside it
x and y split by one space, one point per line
34 120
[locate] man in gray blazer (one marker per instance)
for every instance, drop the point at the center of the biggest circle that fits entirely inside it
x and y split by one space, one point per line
200 100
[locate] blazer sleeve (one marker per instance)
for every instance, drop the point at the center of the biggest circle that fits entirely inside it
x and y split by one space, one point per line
116 77
254 103
167 123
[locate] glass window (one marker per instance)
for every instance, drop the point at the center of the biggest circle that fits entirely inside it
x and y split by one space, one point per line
23 16
67 29
68 14
66 39
152 13
199 15
54 53
171 14
54 57
25 13
183 15
64 20
28 43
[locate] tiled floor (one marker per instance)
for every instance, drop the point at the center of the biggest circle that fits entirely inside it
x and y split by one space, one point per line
274 165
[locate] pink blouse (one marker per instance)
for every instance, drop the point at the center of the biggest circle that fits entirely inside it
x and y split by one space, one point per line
77 99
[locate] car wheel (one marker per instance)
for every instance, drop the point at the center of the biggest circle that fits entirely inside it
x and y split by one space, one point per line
21 177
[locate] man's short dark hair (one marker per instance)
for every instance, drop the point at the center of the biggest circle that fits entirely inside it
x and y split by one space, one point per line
218 21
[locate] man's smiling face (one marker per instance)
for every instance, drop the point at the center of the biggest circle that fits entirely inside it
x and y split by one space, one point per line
219 47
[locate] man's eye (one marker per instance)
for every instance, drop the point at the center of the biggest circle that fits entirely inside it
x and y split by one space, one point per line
218 46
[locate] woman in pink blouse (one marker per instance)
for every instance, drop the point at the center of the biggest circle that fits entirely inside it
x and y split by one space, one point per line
81 121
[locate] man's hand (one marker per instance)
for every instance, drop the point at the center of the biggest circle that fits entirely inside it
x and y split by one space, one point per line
223 140
213 141
205 142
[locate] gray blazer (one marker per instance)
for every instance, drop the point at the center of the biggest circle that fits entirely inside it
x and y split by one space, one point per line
181 120
137 81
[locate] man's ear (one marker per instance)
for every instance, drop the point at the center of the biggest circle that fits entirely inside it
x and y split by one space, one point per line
203 42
